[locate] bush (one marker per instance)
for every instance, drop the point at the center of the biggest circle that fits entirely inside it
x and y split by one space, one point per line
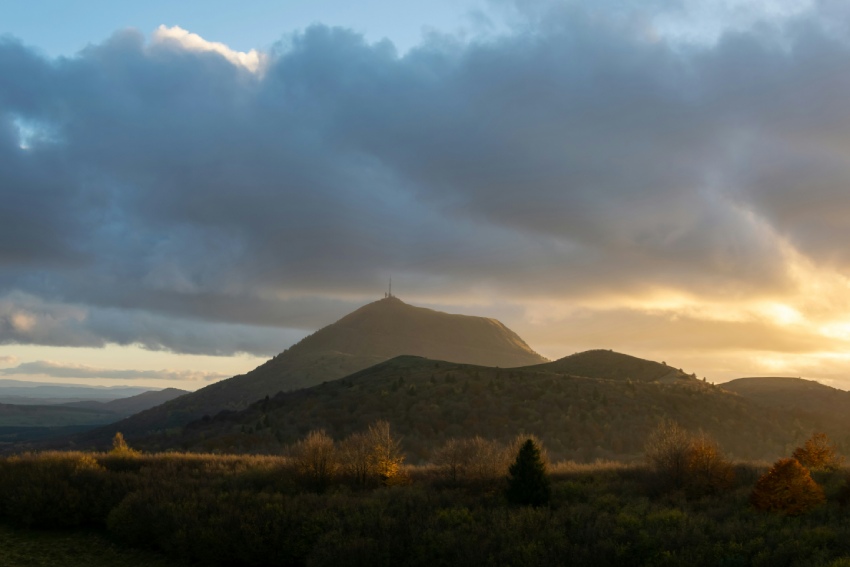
787 487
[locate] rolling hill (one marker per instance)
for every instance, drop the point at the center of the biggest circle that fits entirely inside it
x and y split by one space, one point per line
372 334
578 417
796 396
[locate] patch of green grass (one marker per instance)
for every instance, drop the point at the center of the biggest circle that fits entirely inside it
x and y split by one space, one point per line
77 548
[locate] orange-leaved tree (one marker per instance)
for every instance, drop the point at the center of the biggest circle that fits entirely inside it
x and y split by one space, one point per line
787 487
818 453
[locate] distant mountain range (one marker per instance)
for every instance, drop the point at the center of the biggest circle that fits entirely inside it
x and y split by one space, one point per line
22 392
28 422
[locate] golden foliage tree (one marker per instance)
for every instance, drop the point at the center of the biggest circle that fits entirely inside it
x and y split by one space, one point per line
787 487
818 453
386 455
120 446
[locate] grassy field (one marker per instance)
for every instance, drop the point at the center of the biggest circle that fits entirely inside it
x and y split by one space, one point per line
70 548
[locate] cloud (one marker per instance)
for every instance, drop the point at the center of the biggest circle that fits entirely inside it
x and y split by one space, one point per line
181 195
164 35
4 360
59 370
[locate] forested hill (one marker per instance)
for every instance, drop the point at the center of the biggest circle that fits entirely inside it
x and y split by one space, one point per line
374 333
615 366
428 402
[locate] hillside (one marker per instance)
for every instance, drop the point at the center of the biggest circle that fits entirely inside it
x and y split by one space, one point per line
372 334
796 395
429 401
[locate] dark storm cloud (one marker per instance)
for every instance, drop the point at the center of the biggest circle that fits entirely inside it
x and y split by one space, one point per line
161 195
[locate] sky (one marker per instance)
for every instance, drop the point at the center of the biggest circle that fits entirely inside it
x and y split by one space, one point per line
187 189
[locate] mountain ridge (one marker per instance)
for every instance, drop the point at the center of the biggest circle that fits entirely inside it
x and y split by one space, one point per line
371 334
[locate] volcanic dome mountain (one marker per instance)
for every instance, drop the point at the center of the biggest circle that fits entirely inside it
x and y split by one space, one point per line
372 334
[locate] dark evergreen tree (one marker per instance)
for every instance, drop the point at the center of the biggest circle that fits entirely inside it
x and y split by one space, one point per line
528 482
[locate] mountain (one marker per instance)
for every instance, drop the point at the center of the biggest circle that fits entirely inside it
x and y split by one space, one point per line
372 334
611 365
134 404
830 405
606 415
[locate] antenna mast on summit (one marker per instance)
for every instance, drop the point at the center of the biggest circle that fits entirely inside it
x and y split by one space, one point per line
390 294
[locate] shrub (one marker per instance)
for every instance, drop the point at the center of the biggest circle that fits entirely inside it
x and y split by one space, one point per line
528 481
818 453
787 487
57 489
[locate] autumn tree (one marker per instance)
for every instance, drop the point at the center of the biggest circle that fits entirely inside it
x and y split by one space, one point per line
708 471
693 463
120 446
528 481
787 487
316 460
818 453
386 456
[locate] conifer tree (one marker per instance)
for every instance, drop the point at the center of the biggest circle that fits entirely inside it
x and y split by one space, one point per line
528 482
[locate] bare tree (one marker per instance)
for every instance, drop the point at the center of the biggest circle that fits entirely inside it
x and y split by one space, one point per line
668 452
356 457
316 459
453 459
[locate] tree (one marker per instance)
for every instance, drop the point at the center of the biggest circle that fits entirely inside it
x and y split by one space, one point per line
316 459
818 453
668 451
787 487
120 446
693 463
453 458
356 457
528 481
708 471
386 455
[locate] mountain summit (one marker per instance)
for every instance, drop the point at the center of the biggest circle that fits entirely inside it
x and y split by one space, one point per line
372 334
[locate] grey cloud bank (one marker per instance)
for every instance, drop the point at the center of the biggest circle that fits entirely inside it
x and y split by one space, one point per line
165 196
